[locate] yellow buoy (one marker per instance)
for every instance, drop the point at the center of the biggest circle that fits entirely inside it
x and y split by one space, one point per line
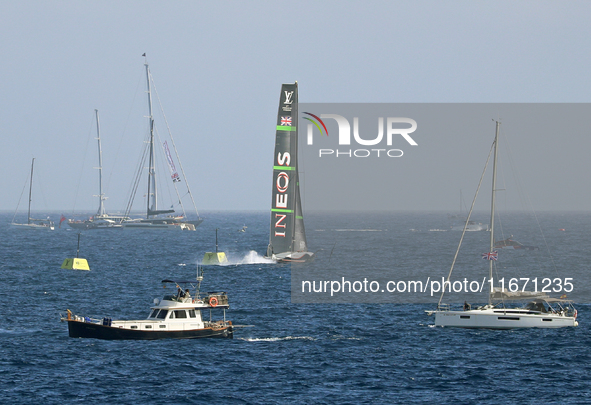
76 263
215 257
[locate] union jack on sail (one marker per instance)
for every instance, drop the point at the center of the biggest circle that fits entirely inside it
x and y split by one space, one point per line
491 255
286 121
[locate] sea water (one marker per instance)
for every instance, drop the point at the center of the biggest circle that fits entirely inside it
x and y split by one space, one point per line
290 353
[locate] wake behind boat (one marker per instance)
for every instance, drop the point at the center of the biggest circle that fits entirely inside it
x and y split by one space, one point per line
287 238
470 227
175 316
156 218
541 312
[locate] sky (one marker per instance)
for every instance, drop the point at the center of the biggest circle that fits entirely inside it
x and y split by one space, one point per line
218 69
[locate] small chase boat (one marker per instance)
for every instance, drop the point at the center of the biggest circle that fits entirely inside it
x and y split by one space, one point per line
176 316
512 244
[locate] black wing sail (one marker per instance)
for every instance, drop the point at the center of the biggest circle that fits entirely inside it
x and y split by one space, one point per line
287 233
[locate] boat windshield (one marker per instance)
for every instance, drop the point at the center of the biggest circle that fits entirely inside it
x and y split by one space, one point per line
162 314
536 306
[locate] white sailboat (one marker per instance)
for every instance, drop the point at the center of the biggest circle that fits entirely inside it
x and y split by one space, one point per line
472 226
156 218
101 220
32 223
540 312
287 237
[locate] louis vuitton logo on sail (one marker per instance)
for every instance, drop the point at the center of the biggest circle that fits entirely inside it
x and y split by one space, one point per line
392 128
287 101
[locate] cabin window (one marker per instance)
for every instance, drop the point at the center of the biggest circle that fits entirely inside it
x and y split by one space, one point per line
162 326
508 318
546 320
162 313
153 314
464 316
148 326
191 313
133 326
180 313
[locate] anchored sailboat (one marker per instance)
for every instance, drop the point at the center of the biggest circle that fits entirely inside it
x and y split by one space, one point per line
541 311
101 220
287 238
160 218
32 223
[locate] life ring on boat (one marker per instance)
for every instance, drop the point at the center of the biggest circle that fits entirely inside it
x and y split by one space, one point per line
213 301
575 314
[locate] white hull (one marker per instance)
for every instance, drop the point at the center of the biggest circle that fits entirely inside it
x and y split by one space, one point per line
502 319
33 226
95 224
159 226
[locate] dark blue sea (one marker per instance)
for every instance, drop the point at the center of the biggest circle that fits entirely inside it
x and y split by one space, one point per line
328 353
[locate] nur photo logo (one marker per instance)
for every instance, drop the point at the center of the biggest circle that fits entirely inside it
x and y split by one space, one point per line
390 131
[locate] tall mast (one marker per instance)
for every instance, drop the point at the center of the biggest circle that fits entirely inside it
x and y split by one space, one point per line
492 210
151 168
294 219
101 209
30 191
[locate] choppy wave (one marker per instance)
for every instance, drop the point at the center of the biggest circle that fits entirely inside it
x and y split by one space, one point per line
278 339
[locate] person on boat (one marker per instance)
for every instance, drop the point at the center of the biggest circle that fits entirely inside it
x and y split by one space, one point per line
187 293
180 293
467 306
536 306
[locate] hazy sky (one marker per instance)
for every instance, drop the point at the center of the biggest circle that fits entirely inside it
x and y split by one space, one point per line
218 68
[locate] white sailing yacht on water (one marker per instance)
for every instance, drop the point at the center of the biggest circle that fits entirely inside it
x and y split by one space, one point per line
541 311
160 218
101 220
472 226
32 223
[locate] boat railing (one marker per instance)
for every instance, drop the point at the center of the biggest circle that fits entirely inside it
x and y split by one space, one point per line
443 307
216 325
72 317
216 298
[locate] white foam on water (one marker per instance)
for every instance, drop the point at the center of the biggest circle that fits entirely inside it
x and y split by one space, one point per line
252 257
277 339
